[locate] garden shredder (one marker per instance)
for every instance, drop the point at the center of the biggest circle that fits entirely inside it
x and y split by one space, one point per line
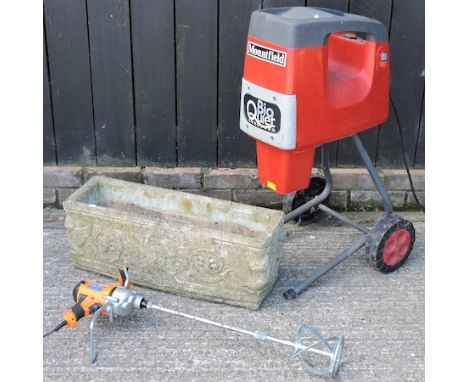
313 76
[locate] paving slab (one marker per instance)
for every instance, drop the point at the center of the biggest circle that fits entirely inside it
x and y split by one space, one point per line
381 316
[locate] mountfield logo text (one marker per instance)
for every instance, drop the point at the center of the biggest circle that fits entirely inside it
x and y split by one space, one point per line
266 54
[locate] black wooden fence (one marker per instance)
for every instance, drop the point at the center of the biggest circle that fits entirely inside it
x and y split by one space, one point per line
157 82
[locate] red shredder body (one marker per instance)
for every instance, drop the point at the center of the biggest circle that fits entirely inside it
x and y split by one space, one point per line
311 76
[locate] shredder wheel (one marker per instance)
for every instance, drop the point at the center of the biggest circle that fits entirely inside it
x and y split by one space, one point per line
390 243
316 186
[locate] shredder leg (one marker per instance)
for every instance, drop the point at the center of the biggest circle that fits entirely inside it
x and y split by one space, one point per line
294 292
319 198
387 201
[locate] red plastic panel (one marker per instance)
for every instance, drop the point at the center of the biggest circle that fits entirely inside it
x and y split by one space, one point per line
341 88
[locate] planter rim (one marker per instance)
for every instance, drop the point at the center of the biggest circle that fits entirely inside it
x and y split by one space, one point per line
261 238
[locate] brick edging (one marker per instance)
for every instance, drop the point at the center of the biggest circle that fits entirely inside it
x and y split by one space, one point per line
352 187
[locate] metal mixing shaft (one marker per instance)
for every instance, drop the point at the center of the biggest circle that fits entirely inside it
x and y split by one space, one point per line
331 347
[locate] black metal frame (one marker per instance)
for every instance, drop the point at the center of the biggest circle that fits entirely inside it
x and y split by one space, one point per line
317 202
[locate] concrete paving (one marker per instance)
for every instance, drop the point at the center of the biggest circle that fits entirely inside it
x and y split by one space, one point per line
381 316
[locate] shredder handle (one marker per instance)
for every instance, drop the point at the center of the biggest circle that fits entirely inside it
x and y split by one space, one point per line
347 22
305 27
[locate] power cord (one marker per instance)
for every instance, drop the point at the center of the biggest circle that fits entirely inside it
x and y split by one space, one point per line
403 152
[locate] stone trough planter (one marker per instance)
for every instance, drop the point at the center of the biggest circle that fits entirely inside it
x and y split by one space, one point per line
174 241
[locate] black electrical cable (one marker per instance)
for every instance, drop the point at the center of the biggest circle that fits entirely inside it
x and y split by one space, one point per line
58 327
403 152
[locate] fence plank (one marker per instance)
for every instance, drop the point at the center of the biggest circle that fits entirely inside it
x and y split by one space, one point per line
347 154
111 65
282 3
48 140
407 81
196 70
177 107
419 161
340 5
70 81
154 84
235 148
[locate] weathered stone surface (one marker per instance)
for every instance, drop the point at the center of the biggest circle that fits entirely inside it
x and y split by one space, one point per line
48 196
175 241
226 178
218 194
63 194
241 185
262 197
398 179
351 179
131 174
368 200
398 199
61 176
338 200
179 177
411 203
